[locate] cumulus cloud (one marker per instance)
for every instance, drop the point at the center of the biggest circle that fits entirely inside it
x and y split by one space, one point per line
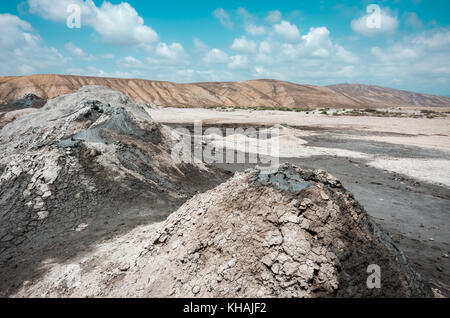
289 32
318 42
273 16
245 15
130 62
427 51
238 62
216 56
363 26
244 45
430 45
223 17
116 23
78 52
344 55
173 53
315 49
317 37
435 40
265 47
395 53
255 30
121 24
262 58
199 46
56 10
283 53
23 50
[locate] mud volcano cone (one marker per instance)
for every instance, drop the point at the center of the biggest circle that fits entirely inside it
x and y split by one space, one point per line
86 166
294 233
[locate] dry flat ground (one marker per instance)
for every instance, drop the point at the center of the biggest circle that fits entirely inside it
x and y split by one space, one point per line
398 168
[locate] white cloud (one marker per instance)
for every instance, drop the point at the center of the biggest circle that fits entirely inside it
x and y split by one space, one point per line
216 56
170 54
249 22
317 42
121 24
427 52
413 20
243 45
395 53
262 58
74 50
283 53
261 71
317 37
116 23
344 55
56 10
238 62
245 15
199 46
131 62
273 16
313 48
94 71
434 40
388 24
289 32
427 47
288 52
223 17
78 52
255 30
22 50
265 47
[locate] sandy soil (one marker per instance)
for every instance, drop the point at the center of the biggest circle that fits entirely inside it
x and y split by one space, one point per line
398 168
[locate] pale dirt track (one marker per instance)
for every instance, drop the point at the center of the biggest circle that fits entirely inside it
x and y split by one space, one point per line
409 126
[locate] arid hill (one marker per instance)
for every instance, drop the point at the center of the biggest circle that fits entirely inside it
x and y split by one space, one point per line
255 93
379 96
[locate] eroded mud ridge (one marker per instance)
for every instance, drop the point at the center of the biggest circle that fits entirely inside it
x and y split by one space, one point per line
84 167
294 233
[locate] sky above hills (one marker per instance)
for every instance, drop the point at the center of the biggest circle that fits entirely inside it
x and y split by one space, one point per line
405 44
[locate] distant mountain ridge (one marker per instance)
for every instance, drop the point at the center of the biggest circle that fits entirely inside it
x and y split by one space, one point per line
253 93
371 94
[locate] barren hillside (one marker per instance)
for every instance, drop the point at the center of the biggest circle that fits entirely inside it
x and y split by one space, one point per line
379 96
255 93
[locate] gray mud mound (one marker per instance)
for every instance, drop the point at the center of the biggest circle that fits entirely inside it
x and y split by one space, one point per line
27 101
22 106
85 167
294 233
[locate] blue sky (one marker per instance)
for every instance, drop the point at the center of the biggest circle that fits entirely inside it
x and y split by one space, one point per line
311 42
